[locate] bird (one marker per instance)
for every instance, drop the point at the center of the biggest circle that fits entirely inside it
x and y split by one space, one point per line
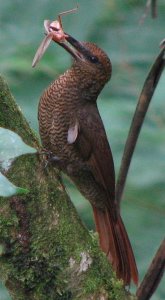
72 130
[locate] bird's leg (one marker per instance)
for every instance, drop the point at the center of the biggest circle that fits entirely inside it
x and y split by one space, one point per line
50 158
46 153
71 168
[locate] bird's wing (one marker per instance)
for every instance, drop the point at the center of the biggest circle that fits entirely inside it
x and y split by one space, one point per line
90 138
88 135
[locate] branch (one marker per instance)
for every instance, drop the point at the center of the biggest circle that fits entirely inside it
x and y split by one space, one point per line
154 8
47 252
153 275
138 119
151 4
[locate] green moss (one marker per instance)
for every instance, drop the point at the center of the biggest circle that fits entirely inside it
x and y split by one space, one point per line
8 222
12 118
100 275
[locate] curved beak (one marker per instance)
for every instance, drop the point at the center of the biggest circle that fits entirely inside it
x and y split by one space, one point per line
54 32
75 48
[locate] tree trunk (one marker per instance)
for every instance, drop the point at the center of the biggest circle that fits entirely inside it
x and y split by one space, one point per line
47 252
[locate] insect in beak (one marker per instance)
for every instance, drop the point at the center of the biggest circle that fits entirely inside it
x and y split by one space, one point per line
54 31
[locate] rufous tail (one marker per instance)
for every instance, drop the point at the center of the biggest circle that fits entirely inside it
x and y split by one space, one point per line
115 243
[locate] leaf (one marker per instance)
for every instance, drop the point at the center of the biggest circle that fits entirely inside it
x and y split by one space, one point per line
7 189
11 145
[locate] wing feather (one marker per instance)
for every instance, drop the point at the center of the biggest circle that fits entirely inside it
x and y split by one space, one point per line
94 147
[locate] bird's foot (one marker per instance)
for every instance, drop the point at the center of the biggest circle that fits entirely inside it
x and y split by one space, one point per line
46 152
71 168
52 159
57 162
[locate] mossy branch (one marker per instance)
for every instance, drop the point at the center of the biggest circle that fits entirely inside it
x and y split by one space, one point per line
47 252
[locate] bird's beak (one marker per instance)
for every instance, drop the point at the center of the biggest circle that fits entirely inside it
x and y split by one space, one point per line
54 32
75 48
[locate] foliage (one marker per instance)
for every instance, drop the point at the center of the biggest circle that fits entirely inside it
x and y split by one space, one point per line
11 146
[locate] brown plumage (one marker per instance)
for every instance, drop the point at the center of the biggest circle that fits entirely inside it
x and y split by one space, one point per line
72 130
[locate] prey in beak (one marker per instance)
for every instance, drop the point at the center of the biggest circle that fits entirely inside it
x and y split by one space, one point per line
54 32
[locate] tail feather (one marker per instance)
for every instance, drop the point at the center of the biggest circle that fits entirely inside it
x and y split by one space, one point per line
115 243
132 262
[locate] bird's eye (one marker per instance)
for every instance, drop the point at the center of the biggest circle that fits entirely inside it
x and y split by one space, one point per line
93 59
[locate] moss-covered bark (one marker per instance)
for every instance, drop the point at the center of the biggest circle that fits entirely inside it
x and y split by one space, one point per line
47 252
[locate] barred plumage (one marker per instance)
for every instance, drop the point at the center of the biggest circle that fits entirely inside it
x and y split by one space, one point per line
72 130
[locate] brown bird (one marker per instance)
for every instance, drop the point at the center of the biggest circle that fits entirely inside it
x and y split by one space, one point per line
72 131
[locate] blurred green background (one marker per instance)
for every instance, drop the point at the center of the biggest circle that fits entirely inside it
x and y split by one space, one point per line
132 47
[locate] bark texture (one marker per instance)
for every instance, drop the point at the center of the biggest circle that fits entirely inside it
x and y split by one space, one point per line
47 252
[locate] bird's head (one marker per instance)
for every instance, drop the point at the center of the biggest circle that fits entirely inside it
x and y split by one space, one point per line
89 58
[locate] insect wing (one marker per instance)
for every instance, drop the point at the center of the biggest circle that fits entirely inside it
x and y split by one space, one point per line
42 48
47 25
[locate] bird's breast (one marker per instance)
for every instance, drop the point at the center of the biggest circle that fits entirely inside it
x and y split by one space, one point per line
57 106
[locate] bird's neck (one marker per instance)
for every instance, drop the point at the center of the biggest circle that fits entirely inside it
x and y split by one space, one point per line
86 85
